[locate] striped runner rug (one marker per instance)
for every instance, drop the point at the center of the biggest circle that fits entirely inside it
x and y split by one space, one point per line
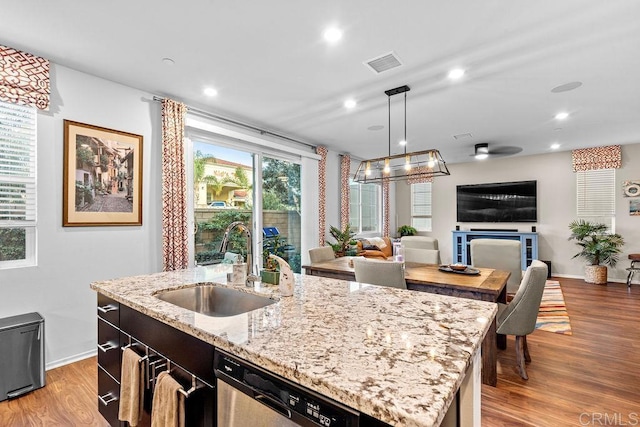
553 316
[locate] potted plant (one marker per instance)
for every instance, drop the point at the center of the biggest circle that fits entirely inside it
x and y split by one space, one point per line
599 247
407 230
343 239
271 270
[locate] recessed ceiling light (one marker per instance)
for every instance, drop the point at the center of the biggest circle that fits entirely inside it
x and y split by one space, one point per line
403 142
562 115
350 104
332 34
209 91
168 61
555 146
456 73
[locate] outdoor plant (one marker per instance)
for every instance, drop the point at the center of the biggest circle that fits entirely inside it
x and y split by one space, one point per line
343 238
598 246
407 230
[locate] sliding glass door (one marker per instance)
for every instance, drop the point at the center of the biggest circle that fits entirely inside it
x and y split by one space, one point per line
281 206
261 190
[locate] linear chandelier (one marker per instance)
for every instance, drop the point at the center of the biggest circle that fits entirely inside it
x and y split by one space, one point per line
417 166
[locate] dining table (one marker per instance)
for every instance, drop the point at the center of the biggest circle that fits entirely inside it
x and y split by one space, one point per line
483 284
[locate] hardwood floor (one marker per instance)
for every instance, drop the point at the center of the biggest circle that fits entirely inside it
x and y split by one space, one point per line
68 399
590 378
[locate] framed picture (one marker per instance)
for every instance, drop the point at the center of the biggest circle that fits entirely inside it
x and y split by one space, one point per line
634 207
102 176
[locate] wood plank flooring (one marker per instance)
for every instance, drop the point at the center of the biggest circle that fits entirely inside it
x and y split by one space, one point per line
590 378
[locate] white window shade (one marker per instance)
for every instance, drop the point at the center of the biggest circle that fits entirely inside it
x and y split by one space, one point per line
421 206
17 165
596 193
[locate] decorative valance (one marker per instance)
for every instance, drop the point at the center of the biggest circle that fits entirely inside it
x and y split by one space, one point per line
609 157
345 172
419 174
24 78
322 193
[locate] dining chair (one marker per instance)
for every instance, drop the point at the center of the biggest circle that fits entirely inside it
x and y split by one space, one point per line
419 242
321 254
519 316
383 273
421 256
499 254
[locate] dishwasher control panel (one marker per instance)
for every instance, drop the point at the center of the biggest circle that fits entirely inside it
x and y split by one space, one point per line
294 401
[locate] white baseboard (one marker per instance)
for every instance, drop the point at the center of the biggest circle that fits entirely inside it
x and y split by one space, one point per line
70 359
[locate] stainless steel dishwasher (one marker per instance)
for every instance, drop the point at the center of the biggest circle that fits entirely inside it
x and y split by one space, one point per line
250 396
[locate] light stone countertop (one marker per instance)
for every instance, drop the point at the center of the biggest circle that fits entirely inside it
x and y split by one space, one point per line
396 355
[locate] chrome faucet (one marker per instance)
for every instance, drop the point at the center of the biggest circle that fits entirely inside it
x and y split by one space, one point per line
225 242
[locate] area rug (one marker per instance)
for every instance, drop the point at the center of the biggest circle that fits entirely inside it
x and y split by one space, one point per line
553 316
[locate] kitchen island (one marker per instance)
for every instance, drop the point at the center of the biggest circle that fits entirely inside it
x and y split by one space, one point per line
398 356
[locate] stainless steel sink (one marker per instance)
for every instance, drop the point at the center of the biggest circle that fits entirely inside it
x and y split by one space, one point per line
214 300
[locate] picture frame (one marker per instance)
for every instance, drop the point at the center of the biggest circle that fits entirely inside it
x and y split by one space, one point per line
102 176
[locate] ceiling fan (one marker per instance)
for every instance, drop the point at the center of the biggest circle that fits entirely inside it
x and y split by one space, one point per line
482 151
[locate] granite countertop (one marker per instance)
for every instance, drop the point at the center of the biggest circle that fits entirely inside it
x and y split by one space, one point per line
396 355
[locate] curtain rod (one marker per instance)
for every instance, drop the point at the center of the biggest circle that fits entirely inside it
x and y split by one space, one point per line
209 115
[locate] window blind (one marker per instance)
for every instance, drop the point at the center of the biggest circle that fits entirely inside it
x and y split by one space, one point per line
596 193
17 165
421 206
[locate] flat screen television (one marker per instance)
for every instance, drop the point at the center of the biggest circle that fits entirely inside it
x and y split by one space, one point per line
497 202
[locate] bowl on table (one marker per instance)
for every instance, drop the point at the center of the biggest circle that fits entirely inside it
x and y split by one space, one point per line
458 267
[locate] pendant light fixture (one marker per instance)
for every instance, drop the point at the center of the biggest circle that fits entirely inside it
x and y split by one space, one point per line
416 166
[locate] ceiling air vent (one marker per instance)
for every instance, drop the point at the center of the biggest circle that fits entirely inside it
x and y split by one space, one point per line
383 62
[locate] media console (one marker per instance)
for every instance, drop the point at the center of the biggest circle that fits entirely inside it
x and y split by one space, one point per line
462 240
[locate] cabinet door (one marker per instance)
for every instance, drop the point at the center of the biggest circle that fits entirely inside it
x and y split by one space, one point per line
108 397
109 348
109 310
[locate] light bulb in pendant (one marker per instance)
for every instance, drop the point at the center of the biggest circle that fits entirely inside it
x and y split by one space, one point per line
367 170
386 169
407 164
431 162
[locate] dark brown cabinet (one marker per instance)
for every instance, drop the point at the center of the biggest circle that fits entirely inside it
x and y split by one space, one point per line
119 325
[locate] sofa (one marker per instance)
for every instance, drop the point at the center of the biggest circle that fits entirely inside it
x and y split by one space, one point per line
372 248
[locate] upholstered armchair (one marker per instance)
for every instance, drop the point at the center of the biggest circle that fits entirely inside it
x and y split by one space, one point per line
519 317
368 249
499 254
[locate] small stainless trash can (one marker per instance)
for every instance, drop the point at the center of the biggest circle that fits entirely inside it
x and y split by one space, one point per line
21 355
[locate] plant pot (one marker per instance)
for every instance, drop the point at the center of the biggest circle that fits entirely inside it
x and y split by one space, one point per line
272 277
596 274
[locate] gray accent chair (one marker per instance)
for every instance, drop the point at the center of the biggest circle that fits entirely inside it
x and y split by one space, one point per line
422 256
383 273
420 242
499 254
321 254
519 317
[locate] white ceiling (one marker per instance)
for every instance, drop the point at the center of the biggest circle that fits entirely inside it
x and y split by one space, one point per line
271 67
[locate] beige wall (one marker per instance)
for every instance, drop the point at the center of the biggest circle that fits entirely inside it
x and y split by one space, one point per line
556 205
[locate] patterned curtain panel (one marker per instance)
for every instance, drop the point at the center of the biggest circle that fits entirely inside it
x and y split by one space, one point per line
322 194
385 207
345 171
586 159
24 78
174 187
